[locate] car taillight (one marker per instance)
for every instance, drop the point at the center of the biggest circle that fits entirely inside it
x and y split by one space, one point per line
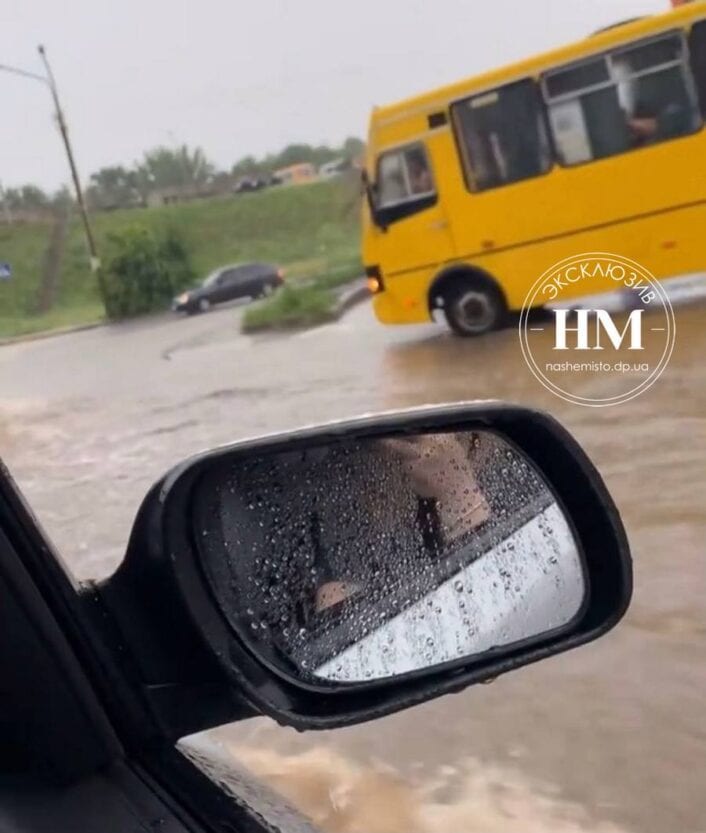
280 274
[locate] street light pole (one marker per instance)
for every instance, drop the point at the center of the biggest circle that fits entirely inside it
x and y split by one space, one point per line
90 240
48 79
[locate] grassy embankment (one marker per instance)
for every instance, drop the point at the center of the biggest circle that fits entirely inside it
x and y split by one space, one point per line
312 231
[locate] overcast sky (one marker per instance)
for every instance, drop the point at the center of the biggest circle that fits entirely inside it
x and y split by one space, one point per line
248 76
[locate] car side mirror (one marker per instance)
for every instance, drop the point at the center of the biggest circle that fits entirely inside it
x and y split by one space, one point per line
338 573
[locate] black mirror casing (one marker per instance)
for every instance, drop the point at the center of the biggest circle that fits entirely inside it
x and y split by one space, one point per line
369 189
194 671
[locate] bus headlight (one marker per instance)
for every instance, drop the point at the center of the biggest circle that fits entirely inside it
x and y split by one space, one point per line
374 276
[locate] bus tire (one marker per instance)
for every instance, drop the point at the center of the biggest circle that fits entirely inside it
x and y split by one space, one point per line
473 305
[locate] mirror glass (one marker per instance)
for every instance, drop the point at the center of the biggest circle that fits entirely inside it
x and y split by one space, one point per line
374 557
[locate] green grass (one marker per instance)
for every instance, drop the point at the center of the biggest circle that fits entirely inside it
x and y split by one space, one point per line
310 230
56 319
337 275
302 302
291 307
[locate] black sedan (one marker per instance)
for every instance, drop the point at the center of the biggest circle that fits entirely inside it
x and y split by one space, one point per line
241 280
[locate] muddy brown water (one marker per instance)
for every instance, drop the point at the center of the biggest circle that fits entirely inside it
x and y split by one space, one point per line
610 737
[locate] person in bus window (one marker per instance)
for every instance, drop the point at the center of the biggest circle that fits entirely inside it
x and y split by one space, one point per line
419 173
655 124
426 498
390 187
656 106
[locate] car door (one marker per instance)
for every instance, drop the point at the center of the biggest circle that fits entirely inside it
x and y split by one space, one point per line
252 279
223 289
76 754
240 282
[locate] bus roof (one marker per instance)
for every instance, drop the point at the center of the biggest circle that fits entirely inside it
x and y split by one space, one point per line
597 42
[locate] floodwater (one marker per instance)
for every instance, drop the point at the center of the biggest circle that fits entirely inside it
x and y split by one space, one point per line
607 738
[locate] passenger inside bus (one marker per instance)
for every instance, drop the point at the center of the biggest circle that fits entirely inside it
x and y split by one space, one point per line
657 106
419 173
434 477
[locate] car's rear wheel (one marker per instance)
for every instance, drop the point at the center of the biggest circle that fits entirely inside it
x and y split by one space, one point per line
267 290
473 307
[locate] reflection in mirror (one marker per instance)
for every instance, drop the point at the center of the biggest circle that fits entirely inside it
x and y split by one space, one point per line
373 557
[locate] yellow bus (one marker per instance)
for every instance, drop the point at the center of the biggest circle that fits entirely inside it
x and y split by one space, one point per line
475 189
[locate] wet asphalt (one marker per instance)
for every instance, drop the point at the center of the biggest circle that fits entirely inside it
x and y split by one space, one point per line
88 421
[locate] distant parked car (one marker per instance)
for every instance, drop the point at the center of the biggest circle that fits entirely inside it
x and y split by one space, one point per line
240 280
333 168
250 183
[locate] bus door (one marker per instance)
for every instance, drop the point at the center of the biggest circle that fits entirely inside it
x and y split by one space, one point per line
411 230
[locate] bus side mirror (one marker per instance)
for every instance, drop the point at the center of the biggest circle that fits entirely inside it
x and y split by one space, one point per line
370 194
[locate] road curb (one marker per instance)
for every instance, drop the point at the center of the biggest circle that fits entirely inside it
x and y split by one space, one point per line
60 331
351 297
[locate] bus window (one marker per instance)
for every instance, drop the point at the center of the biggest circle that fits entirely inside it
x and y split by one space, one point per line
404 175
633 97
697 48
503 135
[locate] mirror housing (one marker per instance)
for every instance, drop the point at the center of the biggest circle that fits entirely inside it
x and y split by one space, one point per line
369 189
193 670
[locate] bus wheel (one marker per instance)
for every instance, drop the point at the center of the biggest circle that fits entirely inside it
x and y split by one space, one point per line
474 307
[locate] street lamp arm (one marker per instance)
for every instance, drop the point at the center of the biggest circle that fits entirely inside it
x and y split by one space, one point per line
25 74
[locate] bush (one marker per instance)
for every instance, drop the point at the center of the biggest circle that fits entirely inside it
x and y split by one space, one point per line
143 271
291 307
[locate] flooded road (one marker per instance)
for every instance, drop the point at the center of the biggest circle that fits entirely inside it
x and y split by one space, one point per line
607 738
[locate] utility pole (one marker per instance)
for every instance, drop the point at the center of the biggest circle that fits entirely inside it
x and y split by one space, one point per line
90 240
5 206
48 79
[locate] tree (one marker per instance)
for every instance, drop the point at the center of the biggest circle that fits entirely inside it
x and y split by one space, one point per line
114 187
63 198
173 168
247 166
27 197
353 148
317 155
322 154
295 153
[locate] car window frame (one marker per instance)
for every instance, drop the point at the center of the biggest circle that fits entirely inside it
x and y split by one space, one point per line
118 745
